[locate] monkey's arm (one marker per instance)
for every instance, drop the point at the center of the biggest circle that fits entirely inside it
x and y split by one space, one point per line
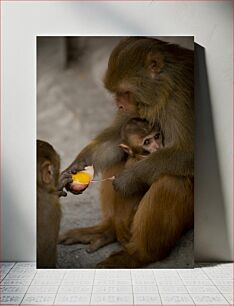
168 161
102 152
176 158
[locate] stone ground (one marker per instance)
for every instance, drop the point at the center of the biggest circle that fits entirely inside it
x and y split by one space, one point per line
72 107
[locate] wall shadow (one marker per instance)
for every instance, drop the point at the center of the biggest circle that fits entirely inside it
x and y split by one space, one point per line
211 232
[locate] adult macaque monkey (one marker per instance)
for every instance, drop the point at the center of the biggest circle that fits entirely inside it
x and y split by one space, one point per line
48 207
152 80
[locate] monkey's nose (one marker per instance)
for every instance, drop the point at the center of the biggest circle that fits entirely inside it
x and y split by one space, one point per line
125 95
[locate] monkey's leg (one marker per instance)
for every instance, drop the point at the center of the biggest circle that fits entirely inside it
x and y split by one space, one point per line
104 233
117 213
125 210
119 209
164 213
108 196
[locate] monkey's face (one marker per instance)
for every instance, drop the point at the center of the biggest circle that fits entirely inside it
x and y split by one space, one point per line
48 165
134 72
145 145
152 143
137 146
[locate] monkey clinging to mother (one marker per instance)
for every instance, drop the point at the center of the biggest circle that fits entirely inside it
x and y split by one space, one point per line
149 204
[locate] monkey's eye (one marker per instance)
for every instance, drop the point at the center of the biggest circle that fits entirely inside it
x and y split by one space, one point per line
156 136
146 142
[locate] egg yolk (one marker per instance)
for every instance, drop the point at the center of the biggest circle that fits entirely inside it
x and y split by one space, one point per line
82 177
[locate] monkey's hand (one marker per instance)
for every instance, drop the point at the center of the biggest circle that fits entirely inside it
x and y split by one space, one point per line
129 183
65 179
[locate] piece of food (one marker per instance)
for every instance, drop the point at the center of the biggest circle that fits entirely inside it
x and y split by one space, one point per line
82 179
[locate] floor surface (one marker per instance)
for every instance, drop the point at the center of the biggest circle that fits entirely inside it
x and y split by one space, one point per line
208 284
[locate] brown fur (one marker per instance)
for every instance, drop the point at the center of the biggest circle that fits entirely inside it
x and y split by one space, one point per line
151 204
151 224
48 207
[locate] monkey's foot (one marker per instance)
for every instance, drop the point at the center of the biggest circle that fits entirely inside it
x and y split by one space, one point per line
78 235
97 236
100 241
120 259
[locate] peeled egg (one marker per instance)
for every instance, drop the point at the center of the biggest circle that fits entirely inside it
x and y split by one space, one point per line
82 179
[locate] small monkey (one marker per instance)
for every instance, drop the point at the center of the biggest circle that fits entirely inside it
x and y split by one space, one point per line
140 139
48 207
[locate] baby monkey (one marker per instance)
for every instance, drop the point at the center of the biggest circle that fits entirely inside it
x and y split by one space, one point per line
139 139
48 206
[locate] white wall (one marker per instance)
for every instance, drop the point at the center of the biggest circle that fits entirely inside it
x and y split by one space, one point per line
211 24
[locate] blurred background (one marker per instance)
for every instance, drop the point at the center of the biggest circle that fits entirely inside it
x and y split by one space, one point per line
72 107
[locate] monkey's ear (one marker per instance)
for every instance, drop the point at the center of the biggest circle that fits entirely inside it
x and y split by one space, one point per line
46 172
153 66
126 149
155 63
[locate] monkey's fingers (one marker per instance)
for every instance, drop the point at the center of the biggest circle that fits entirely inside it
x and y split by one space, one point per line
99 242
63 239
95 245
62 193
74 236
67 241
75 167
64 180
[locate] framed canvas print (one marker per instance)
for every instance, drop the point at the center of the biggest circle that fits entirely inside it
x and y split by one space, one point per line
115 152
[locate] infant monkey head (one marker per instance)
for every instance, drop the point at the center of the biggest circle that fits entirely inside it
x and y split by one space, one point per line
48 165
139 138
